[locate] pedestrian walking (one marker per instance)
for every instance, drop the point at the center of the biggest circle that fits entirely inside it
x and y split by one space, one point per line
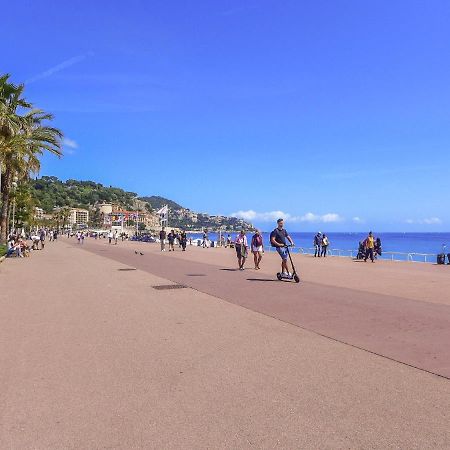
325 244
257 248
241 246
183 240
42 239
317 244
171 239
370 246
162 239
110 237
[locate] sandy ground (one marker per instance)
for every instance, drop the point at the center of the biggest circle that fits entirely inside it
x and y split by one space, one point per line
93 357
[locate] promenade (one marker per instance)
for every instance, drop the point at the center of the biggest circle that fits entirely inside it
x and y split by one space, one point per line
93 354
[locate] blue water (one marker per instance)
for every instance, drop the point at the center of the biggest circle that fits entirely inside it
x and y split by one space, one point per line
425 243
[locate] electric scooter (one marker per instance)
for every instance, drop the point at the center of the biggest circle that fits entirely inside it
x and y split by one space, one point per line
294 275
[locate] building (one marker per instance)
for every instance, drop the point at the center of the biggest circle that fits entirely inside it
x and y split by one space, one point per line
38 213
78 216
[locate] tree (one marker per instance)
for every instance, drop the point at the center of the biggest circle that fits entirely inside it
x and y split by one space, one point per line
24 137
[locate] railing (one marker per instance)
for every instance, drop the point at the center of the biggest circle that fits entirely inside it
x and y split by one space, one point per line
392 256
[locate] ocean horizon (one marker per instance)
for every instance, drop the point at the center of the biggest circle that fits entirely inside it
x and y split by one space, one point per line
395 245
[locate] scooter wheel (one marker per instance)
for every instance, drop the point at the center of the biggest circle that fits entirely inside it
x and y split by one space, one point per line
296 279
279 276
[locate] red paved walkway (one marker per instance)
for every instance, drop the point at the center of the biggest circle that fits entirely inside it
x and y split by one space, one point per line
409 331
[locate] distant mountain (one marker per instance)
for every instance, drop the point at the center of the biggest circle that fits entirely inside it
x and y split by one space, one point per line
158 202
180 217
50 192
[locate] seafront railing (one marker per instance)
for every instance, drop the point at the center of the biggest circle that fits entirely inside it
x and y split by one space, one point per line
392 256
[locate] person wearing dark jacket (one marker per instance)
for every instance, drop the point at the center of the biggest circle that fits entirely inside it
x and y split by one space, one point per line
317 244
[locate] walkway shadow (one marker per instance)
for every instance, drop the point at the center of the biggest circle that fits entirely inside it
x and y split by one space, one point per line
230 270
263 279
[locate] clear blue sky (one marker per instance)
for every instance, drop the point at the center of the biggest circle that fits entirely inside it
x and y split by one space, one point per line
334 112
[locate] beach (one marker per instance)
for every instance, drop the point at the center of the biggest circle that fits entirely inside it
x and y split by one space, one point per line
94 356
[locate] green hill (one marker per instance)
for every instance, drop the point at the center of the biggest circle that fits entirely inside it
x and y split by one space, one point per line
50 192
158 202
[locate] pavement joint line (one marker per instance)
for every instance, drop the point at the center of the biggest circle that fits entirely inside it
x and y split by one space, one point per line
445 377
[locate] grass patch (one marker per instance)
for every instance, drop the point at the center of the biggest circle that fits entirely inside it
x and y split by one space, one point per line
3 250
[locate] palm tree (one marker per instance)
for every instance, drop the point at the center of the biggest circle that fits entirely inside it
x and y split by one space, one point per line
24 137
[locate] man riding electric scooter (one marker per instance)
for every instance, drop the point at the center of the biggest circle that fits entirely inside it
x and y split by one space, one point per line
278 239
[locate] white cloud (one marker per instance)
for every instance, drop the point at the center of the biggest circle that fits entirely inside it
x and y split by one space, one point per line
358 220
70 143
271 216
427 221
69 146
64 65
432 221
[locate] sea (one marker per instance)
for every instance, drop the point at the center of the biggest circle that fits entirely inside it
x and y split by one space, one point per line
419 247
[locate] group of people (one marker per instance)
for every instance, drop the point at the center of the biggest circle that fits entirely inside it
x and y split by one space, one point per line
173 238
321 243
17 244
279 238
369 248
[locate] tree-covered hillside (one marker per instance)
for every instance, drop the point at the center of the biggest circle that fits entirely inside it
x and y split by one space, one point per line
50 192
158 202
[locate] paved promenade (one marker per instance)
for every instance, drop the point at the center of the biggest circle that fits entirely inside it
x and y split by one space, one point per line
93 356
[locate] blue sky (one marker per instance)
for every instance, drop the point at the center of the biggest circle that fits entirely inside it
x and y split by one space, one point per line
333 113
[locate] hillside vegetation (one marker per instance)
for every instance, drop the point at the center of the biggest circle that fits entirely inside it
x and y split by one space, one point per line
50 192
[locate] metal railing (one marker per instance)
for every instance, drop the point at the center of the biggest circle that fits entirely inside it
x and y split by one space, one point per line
341 253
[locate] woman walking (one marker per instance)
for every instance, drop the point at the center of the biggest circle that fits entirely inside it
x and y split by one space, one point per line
325 244
241 246
257 248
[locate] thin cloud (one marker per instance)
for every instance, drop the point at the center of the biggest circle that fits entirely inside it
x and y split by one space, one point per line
358 220
426 221
371 172
70 143
271 216
64 65
237 10
69 146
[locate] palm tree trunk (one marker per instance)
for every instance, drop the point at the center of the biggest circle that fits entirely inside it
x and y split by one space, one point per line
4 212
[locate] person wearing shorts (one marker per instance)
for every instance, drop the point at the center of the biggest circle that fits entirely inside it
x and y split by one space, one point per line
241 246
257 248
279 239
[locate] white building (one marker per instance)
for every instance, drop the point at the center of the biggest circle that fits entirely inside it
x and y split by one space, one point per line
38 213
78 216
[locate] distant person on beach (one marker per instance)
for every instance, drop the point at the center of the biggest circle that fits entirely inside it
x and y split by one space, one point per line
171 239
378 249
228 241
183 240
317 244
205 239
361 250
369 244
278 239
325 244
162 239
78 237
257 248
42 239
116 237
241 246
